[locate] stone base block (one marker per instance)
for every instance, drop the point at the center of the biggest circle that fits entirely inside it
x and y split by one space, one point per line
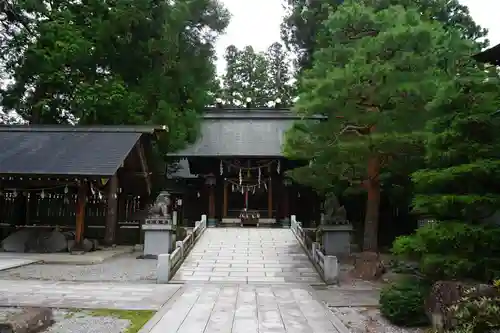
337 240
211 223
158 240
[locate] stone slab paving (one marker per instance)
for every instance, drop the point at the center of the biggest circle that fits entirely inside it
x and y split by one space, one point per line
8 263
248 255
119 296
125 268
245 308
89 258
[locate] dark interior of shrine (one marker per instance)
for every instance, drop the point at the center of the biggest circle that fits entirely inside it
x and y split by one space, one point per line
222 187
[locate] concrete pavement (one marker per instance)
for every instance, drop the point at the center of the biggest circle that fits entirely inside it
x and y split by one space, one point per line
251 255
91 295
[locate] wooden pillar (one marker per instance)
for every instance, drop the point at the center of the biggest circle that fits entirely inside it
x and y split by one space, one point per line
211 201
286 209
224 210
270 198
111 212
80 214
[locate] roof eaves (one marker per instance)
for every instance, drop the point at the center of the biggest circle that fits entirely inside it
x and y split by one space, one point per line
146 129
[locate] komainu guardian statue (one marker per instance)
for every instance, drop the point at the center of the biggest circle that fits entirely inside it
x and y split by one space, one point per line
334 214
160 206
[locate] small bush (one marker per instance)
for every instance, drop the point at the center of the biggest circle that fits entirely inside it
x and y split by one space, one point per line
449 250
402 302
477 313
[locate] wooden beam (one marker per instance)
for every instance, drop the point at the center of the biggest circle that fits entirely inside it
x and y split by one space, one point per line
270 199
80 215
224 210
144 165
111 212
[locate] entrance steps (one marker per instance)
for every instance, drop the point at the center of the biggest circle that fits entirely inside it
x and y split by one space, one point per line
247 255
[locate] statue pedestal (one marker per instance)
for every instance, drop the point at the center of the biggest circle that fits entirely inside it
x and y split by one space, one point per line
285 223
337 239
159 238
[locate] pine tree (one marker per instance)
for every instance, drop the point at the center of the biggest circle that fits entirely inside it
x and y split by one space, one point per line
372 83
463 150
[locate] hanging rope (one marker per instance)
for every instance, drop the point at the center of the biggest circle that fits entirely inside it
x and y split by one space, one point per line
252 187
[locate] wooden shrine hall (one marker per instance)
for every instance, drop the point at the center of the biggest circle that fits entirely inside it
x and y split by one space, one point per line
86 179
237 164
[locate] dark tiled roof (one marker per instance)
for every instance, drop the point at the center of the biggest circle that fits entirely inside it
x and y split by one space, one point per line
67 128
64 151
242 132
490 56
183 170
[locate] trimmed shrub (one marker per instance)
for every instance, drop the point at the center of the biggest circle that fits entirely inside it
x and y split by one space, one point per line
402 302
453 250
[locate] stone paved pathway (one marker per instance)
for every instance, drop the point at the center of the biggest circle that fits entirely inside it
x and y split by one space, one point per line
245 308
256 255
85 295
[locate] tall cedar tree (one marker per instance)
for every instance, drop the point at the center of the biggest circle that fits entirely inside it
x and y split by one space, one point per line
280 75
111 62
372 83
463 150
263 77
245 77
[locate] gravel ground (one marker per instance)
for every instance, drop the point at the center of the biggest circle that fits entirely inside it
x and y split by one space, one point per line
77 322
368 320
124 268
84 322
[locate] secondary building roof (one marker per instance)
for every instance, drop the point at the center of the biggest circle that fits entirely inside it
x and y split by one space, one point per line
242 132
490 56
67 150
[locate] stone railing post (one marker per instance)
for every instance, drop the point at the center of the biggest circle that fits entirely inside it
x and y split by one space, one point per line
204 220
163 268
314 247
181 245
331 269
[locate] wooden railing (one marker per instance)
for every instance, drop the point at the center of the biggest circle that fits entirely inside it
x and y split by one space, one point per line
327 266
168 264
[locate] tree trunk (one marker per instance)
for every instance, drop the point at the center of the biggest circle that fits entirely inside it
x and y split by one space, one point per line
370 238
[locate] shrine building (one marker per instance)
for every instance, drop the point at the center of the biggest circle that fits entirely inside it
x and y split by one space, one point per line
238 163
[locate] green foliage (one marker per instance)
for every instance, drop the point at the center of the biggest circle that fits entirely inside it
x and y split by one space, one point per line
476 313
402 302
392 46
245 77
449 250
303 21
263 77
112 62
462 151
378 69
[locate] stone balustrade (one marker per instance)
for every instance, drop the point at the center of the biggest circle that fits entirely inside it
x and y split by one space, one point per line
169 263
327 265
